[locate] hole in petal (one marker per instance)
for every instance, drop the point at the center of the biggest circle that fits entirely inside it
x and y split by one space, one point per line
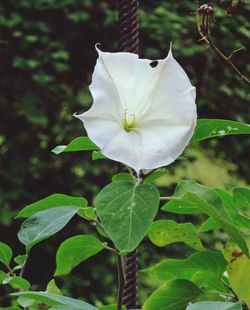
154 63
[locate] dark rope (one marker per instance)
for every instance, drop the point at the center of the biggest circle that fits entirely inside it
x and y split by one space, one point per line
129 42
128 24
130 288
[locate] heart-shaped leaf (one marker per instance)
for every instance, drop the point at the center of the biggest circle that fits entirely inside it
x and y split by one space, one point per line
126 211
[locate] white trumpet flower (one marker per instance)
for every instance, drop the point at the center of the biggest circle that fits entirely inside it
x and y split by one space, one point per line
143 112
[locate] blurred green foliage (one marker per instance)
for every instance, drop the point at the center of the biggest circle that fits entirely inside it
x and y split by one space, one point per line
46 58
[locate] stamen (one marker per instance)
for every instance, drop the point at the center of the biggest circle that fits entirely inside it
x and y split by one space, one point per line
128 121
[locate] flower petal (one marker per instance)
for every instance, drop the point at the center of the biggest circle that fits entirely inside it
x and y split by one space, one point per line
160 96
132 76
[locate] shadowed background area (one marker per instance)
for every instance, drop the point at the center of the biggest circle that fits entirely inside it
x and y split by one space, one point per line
47 56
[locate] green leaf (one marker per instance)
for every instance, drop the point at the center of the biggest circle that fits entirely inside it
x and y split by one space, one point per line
210 128
52 201
3 276
238 270
87 213
155 175
5 253
242 197
233 206
164 232
62 307
76 249
205 269
78 144
98 155
180 207
214 305
53 300
44 224
17 283
25 302
209 202
20 259
122 177
52 288
126 212
110 307
173 295
10 308
209 224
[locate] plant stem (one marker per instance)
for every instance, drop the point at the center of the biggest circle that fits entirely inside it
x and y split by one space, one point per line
121 281
207 38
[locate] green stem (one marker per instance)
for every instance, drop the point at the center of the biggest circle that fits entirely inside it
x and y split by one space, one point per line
121 281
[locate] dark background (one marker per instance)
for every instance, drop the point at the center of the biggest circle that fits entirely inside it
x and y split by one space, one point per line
47 56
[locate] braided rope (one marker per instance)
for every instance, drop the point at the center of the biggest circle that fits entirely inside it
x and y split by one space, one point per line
130 287
129 42
128 24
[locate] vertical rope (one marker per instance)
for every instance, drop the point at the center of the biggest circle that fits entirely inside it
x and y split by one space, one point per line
128 24
130 288
129 42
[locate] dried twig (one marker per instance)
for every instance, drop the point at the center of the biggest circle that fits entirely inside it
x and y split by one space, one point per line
204 30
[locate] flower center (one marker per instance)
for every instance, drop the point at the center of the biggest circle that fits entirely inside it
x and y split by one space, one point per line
128 121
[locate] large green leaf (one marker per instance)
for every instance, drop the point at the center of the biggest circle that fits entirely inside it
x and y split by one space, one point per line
210 128
173 295
44 224
164 232
76 249
5 253
215 305
126 212
205 269
78 144
210 202
52 201
53 300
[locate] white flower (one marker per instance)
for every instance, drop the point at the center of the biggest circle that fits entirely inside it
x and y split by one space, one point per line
143 111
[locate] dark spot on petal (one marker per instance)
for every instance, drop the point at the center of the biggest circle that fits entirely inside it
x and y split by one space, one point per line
154 63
